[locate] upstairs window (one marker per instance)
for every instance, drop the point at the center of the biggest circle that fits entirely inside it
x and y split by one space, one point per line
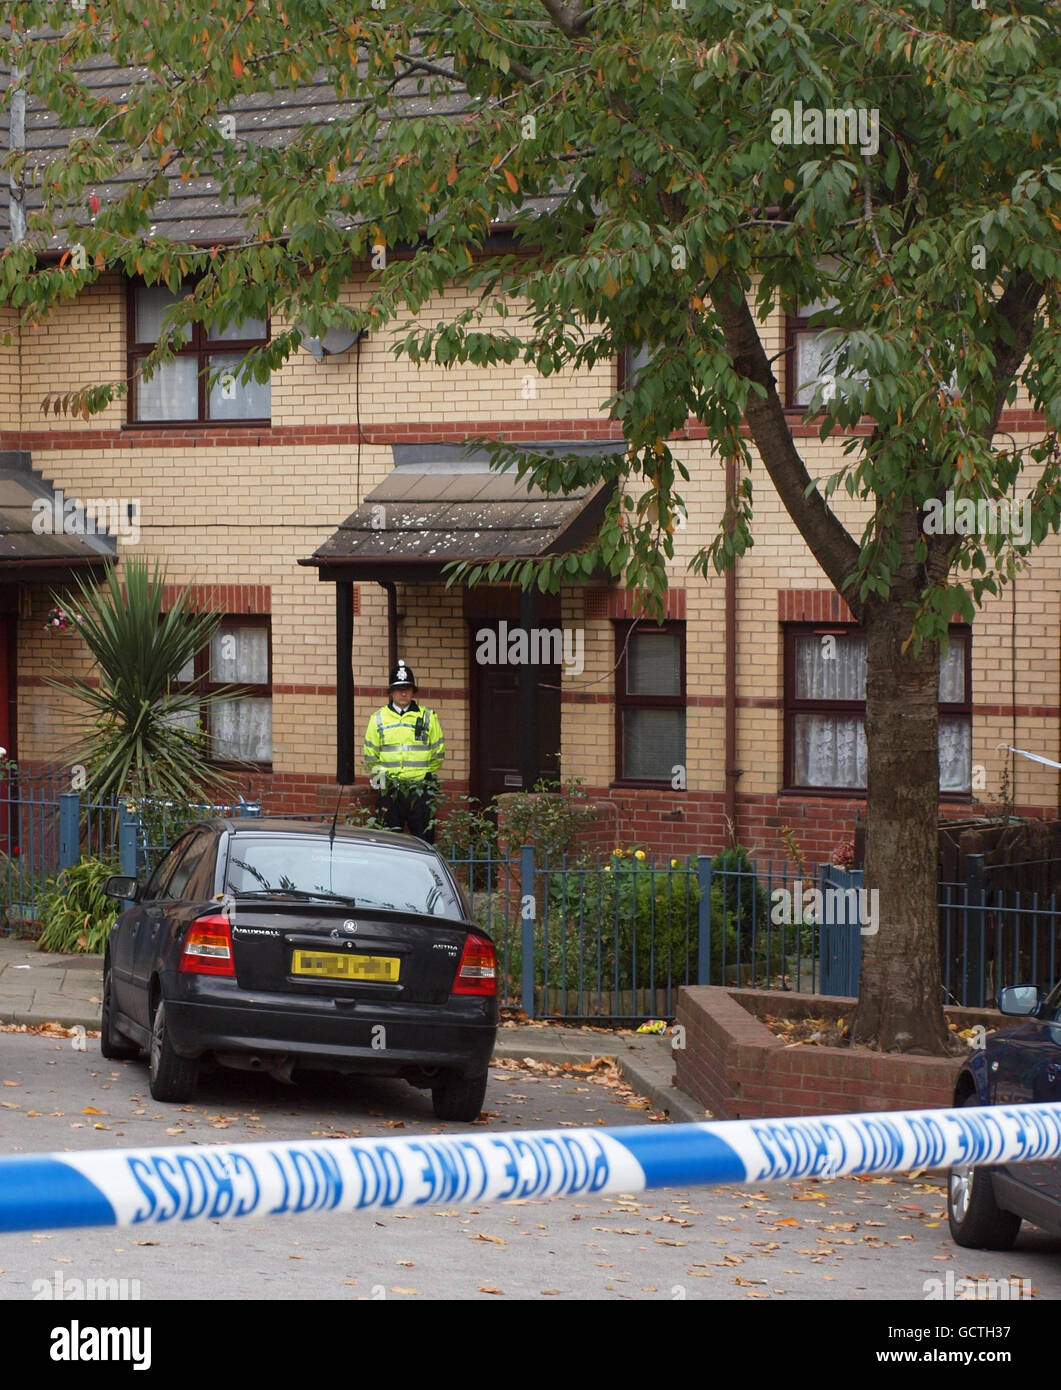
182 390
812 351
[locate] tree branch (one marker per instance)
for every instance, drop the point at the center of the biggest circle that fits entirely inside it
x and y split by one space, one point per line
569 19
831 545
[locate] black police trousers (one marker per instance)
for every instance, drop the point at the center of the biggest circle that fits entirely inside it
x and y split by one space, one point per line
410 804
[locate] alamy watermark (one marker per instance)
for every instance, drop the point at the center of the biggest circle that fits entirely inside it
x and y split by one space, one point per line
809 125
808 906
61 1286
60 515
984 516
949 1287
535 646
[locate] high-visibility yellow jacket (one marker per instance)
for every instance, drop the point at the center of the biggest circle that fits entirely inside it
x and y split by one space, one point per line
392 743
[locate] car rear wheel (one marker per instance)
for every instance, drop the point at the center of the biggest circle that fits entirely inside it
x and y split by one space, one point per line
113 1045
975 1218
459 1097
171 1077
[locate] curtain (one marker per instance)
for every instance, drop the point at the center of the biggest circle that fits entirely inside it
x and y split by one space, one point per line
240 655
829 749
232 399
171 394
243 730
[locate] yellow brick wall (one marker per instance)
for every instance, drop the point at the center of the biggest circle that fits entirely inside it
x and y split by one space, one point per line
245 513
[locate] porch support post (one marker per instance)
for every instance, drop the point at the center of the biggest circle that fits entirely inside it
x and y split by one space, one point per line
528 695
344 682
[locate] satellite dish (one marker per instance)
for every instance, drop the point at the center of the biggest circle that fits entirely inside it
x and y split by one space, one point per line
334 342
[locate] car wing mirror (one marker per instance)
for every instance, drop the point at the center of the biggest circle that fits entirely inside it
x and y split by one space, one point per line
1019 1000
122 886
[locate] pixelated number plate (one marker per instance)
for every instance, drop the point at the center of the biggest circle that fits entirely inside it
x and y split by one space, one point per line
329 965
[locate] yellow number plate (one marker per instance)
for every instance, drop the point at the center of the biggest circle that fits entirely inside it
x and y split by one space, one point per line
332 966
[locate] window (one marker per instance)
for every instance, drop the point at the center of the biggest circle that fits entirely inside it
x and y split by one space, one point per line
241 728
157 884
372 876
632 362
181 389
810 351
649 702
190 864
825 710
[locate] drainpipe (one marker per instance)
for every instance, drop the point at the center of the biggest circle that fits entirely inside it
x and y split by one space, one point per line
730 688
392 622
17 142
528 696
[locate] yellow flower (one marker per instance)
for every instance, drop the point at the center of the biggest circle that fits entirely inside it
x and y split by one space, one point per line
607 868
639 854
675 864
617 854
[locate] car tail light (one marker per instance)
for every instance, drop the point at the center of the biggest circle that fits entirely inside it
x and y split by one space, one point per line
477 972
208 947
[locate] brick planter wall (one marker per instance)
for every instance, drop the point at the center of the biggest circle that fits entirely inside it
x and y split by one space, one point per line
738 1069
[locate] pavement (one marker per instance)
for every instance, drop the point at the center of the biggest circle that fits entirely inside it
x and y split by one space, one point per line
39 987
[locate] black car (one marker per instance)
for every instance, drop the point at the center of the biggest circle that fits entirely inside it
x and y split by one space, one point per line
271 944
1017 1066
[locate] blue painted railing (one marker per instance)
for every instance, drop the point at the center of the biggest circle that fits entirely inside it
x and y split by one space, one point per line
606 938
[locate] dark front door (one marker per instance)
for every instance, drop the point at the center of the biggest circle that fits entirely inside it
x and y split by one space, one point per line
495 715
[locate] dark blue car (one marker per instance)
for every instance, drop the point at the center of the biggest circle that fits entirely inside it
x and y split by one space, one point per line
1021 1065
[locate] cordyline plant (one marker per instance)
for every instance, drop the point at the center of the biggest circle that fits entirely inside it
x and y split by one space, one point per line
140 747
670 173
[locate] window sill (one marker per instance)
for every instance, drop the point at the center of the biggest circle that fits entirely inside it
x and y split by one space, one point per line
664 785
832 793
859 794
197 425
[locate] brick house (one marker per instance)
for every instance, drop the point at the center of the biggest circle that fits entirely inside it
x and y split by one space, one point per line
325 504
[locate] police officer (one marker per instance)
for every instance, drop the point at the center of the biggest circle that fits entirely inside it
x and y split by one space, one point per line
404 749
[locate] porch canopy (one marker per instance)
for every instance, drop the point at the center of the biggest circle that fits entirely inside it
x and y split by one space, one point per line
43 534
441 504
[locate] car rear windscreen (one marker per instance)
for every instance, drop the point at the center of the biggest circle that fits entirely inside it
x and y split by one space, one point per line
367 875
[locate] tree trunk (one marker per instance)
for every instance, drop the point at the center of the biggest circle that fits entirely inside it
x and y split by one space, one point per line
900 1006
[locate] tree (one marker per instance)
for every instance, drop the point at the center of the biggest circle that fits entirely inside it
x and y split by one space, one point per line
646 157
141 746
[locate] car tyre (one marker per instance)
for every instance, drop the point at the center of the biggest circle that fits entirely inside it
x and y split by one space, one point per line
459 1097
112 1044
171 1076
976 1220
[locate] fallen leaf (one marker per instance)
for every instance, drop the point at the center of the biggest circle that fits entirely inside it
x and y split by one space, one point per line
787 1221
485 1288
395 1289
494 1240
91 1110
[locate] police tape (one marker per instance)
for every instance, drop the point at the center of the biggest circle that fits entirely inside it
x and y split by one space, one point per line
133 1187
